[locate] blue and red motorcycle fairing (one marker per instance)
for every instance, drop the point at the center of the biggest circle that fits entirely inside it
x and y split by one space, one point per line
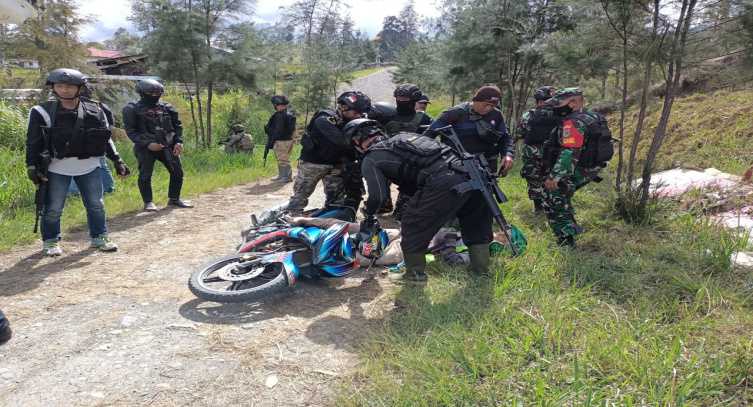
276 260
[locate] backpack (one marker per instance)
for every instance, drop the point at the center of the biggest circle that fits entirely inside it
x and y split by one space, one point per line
411 126
599 145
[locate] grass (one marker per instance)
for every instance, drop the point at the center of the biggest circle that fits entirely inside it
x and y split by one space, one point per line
649 315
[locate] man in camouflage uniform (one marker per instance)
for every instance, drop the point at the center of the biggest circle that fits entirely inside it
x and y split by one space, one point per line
565 174
326 156
238 141
535 127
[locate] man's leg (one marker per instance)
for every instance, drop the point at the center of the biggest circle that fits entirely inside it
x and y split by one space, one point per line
476 229
532 171
108 182
175 169
282 151
307 177
334 185
57 190
560 213
347 188
146 168
92 195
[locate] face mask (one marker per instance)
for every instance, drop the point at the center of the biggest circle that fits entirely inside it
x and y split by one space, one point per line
150 100
563 110
406 108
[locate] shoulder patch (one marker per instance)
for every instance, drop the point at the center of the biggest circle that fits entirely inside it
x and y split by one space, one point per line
332 119
572 137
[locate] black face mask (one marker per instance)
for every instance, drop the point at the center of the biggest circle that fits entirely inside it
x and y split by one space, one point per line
563 110
406 108
150 100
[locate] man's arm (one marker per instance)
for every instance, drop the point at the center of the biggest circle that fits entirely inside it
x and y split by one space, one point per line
376 185
330 131
177 125
291 126
506 143
34 139
132 128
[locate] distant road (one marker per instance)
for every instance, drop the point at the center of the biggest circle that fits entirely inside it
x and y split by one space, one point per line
378 86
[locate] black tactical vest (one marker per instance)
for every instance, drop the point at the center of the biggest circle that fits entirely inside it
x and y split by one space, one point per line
542 125
82 133
420 156
411 126
156 120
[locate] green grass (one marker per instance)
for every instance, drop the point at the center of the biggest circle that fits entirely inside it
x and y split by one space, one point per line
205 171
637 315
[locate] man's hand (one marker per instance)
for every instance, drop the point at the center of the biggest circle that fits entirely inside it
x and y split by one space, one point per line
748 176
369 223
178 149
505 167
122 169
550 184
155 147
35 176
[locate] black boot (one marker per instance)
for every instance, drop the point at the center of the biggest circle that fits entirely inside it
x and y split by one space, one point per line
538 208
415 264
567 241
5 332
178 203
479 259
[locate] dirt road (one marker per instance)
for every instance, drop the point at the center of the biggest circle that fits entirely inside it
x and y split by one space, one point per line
94 329
378 86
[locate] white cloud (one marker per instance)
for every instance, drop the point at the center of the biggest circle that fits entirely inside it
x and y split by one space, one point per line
367 14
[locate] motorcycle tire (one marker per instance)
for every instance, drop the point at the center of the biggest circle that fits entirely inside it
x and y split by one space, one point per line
5 332
271 279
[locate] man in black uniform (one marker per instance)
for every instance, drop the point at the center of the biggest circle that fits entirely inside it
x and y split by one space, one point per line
537 126
481 128
156 132
428 170
326 156
280 130
65 141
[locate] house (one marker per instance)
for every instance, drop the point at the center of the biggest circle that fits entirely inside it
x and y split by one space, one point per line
116 63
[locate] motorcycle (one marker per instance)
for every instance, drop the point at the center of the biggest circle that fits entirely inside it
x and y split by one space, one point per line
274 255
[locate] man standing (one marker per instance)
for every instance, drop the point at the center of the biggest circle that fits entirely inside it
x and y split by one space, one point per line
535 127
325 155
238 141
280 130
65 140
156 132
425 168
481 128
422 104
573 159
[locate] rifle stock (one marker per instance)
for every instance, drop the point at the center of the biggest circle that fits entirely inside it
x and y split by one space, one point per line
481 179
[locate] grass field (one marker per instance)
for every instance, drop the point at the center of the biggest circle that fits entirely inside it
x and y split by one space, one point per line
637 315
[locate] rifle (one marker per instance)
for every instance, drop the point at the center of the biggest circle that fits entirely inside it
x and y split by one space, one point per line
481 179
166 138
40 196
266 153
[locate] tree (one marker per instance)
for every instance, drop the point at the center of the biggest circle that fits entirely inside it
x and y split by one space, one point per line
124 41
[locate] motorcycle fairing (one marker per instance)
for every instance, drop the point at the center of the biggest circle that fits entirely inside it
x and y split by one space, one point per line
286 259
333 253
309 235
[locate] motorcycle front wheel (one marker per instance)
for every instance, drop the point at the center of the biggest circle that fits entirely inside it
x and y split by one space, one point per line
240 277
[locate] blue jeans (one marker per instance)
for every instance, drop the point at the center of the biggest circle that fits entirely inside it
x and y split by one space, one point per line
90 186
108 182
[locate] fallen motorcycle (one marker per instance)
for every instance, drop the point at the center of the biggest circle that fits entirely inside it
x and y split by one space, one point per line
274 255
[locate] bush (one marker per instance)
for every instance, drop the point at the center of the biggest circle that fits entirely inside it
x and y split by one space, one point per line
13 121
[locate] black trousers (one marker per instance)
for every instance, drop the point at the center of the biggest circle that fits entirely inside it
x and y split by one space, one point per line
434 204
146 168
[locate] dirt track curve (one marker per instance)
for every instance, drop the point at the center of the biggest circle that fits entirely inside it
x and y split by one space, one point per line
378 86
95 329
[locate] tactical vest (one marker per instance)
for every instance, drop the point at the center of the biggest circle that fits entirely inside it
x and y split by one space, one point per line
316 148
156 120
542 124
394 126
85 135
598 148
420 155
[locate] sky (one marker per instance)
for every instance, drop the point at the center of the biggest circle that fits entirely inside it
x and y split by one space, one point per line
368 14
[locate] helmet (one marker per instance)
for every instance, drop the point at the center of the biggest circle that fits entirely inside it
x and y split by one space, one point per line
544 92
280 100
67 76
238 128
149 86
355 100
409 90
360 129
372 243
382 110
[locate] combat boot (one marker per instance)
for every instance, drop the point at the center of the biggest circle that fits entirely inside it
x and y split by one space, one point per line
415 264
286 174
280 173
479 259
538 208
567 241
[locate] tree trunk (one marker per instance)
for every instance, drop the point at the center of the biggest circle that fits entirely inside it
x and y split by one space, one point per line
623 107
193 113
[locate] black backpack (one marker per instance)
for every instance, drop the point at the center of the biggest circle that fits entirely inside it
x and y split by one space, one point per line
599 145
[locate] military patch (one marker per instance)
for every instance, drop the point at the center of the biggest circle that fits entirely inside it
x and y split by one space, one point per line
571 136
332 119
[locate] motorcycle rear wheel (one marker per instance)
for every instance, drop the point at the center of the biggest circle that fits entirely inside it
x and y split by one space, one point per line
236 278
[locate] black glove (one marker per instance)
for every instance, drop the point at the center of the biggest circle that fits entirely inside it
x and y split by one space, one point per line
122 169
34 175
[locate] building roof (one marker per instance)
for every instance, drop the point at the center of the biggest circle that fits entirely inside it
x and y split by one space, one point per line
103 53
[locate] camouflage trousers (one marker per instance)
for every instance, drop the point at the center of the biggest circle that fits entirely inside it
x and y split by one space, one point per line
559 207
342 185
534 174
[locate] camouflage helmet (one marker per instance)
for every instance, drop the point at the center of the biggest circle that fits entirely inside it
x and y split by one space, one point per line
280 100
544 92
149 87
67 76
563 94
355 100
408 90
238 128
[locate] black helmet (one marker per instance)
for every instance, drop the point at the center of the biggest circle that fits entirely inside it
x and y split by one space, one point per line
67 76
238 128
544 92
382 111
280 100
360 129
148 87
409 90
355 100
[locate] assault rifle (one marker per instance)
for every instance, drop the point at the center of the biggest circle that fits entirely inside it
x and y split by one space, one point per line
166 139
267 147
482 179
40 196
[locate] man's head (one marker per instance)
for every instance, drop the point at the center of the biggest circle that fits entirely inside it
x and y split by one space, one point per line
567 100
406 96
542 94
486 99
238 128
66 83
423 103
362 133
353 105
150 90
280 102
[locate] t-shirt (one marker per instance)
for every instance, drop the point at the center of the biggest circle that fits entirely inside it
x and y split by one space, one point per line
73 166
